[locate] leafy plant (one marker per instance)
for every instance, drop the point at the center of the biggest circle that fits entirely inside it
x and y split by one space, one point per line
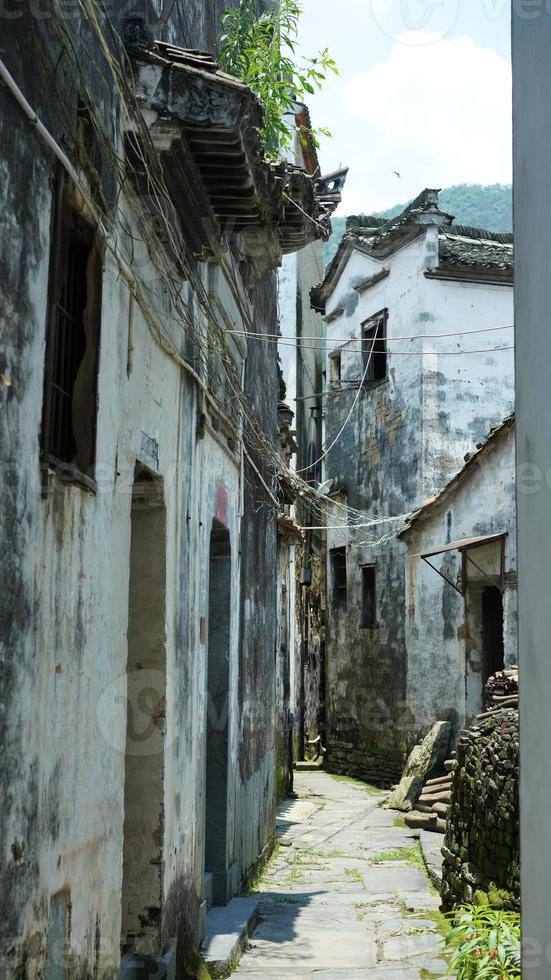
262 50
484 942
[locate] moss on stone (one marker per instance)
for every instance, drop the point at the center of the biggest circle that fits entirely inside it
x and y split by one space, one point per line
480 898
358 784
195 967
499 898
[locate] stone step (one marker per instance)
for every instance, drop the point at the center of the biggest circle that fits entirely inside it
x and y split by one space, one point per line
429 798
416 819
440 781
425 821
228 930
312 765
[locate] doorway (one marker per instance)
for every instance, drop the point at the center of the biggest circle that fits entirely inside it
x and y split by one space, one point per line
218 688
145 729
492 632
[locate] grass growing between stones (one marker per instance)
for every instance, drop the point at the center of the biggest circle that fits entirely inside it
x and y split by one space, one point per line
334 855
355 875
329 855
358 784
286 900
411 855
260 875
305 858
295 876
441 922
363 909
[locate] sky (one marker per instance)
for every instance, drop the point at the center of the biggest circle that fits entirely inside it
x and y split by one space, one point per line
424 90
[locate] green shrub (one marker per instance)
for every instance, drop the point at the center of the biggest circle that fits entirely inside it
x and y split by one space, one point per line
263 51
484 942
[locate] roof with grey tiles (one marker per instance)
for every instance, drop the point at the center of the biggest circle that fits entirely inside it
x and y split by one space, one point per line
462 249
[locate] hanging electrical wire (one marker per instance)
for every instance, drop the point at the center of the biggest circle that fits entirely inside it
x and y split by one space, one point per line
127 229
278 338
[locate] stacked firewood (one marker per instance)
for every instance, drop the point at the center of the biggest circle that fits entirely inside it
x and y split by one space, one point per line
501 692
432 807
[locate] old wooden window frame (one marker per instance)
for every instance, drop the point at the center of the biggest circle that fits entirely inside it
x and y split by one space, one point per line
339 575
374 348
73 324
335 366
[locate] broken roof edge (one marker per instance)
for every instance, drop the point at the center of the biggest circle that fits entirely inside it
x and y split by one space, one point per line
381 237
489 444
362 236
188 90
309 149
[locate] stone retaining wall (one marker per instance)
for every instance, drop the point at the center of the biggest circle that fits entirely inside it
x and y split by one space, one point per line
378 768
481 847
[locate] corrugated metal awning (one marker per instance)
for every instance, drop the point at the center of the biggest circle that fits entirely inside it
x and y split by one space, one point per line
462 545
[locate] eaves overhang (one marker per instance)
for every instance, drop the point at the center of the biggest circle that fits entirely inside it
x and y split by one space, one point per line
481 275
472 461
205 126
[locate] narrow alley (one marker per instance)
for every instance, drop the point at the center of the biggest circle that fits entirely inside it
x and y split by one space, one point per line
346 895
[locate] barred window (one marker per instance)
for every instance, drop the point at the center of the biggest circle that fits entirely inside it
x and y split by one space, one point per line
338 572
72 343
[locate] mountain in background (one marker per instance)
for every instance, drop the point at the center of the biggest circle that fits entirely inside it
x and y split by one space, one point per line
489 206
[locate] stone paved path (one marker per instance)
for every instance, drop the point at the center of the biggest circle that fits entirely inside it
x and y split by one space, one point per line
346 896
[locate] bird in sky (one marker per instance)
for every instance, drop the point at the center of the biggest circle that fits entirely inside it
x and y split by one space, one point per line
397 174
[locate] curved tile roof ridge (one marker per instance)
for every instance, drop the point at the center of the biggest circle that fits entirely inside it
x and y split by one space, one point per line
479 234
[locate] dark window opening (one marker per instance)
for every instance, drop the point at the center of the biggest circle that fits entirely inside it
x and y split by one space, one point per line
72 344
335 367
338 571
374 350
369 596
492 632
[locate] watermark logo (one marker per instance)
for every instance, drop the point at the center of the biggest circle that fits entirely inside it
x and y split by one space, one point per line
415 22
131 713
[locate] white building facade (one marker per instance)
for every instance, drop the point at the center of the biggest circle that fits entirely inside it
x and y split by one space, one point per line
419 367
461 586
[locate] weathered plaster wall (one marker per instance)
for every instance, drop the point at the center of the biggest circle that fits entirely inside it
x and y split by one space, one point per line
284 654
532 193
302 360
442 629
405 438
255 803
65 597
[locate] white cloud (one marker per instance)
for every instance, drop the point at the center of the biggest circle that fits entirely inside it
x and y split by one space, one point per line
438 111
